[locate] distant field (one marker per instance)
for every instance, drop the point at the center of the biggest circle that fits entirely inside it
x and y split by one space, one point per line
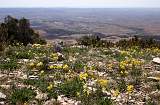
53 23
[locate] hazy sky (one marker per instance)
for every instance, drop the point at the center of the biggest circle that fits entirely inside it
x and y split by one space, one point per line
81 3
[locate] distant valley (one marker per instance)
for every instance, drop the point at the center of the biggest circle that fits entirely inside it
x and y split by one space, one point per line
72 23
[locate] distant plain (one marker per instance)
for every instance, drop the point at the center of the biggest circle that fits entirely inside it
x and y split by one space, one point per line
72 23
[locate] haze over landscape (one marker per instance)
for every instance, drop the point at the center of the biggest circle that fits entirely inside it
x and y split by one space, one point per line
72 23
74 18
82 3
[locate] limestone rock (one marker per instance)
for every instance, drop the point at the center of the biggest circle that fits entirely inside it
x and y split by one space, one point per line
5 86
2 103
156 60
154 78
33 77
2 96
50 102
41 96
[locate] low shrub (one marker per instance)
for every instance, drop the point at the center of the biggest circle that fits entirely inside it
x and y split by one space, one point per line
21 96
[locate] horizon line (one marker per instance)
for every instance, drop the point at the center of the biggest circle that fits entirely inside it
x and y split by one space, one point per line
87 7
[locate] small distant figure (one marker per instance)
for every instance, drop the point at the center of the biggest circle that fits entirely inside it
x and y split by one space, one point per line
57 47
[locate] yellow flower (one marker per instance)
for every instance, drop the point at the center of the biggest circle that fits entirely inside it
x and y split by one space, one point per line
116 93
42 72
136 62
86 90
36 45
50 87
124 72
54 56
78 94
103 82
59 67
92 68
31 64
25 103
83 76
39 64
125 53
130 88
110 66
51 67
123 64
85 68
65 66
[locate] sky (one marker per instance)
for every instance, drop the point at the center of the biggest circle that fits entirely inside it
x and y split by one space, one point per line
82 3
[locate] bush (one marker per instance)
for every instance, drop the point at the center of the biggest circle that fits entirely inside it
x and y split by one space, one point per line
94 41
41 84
71 87
12 64
96 98
22 95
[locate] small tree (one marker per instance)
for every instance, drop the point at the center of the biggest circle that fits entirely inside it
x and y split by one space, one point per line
14 30
3 36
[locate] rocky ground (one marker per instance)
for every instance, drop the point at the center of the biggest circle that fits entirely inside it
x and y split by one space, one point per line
78 75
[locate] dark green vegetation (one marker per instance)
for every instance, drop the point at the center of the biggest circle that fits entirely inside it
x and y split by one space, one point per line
13 30
20 96
96 41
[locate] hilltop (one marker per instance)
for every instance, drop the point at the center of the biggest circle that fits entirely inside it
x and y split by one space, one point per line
85 73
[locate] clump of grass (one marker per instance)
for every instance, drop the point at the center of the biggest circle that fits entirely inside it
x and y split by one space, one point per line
71 87
20 96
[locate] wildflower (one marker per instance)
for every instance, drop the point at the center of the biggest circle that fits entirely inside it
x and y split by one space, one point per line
59 66
50 87
29 51
65 66
86 90
51 67
136 62
83 76
92 68
102 82
49 45
42 72
141 53
85 68
31 65
78 94
17 53
110 66
125 53
36 45
54 56
123 65
116 93
39 64
130 88
124 72
25 103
